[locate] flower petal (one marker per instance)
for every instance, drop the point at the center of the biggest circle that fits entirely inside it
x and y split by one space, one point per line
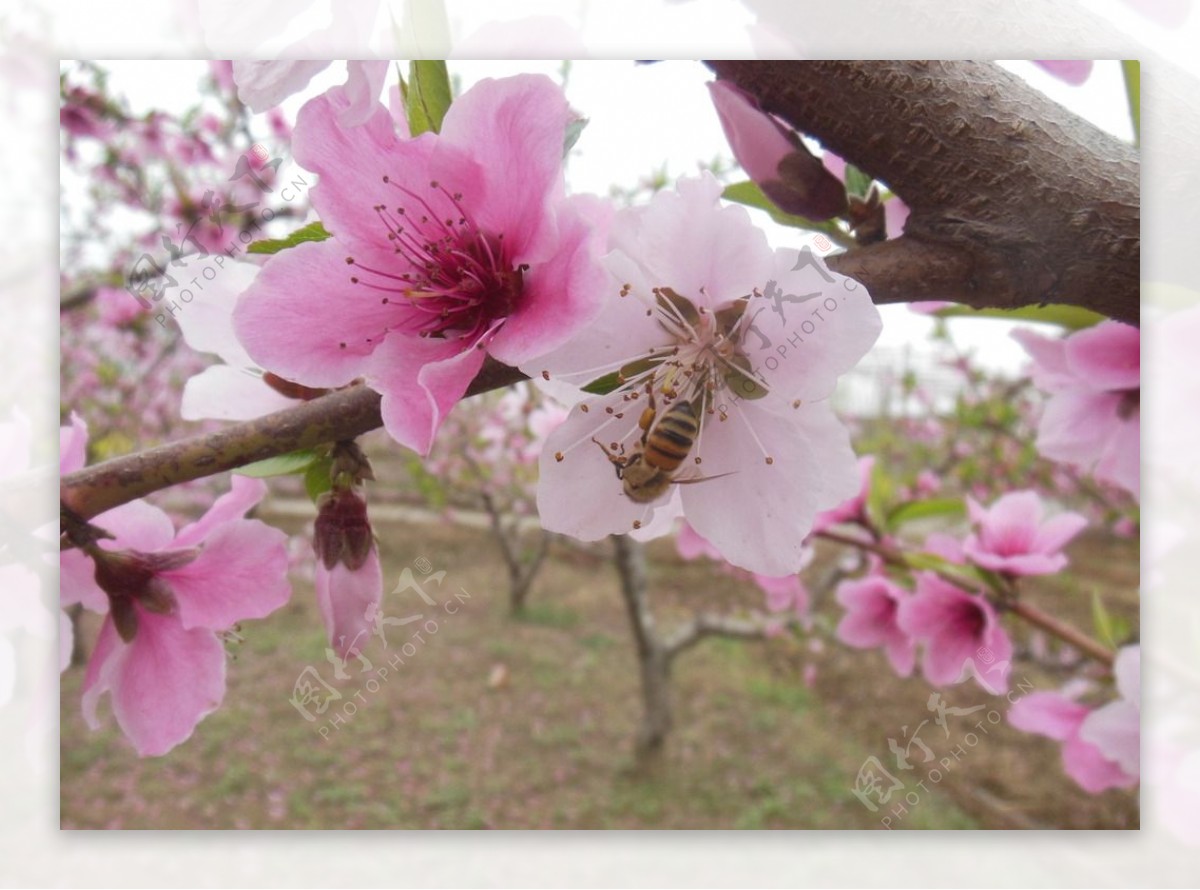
562 295
72 443
244 494
1047 713
420 380
759 514
225 392
514 127
241 573
163 683
305 320
1107 356
348 600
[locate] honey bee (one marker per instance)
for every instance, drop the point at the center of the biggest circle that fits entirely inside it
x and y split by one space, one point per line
649 471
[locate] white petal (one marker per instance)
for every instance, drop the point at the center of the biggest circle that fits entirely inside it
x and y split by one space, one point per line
222 392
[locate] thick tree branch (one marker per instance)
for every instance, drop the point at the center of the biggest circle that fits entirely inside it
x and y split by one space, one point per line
343 414
1014 199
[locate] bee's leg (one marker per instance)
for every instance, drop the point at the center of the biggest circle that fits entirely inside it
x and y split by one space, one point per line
617 461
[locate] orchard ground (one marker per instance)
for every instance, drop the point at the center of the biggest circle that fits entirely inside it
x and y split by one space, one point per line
503 723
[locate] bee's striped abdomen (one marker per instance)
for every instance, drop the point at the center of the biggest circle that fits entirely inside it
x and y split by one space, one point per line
672 437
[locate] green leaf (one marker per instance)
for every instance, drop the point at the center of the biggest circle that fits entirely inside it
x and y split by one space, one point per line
317 480
1112 630
1132 69
602 386
857 182
926 509
282 465
311 232
750 195
1072 318
428 96
879 495
573 132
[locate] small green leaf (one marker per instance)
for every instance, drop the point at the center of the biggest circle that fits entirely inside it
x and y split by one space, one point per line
926 509
282 465
857 182
602 386
311 232
317 479
1103 622
1072 318
750 195
1132 69
428 96
573 132
743 385
879 495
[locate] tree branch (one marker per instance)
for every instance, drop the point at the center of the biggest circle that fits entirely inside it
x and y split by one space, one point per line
343 414
1014 200
707 624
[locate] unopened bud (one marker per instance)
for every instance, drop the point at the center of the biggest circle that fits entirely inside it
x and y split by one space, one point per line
342 533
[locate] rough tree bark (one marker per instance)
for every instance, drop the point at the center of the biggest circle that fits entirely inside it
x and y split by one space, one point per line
1014 199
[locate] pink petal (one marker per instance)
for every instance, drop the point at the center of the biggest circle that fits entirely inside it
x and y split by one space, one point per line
1072 72
347 601
1116 731
514 127
685 239
690 545
136 526
363 85
352 164
77 582
1057 531
163 683
1047 713
902 654
1094 772
758 141
562 295
1050 371
306 321
263 85
207 322
1107 356
809 344
241 573
245 493
420 380
1128 670
759 514
72 445
222 392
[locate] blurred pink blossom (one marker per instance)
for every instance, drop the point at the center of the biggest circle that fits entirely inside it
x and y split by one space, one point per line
1072 72
1116 728
1058 717
960 632
1091 420
871 620
1010 536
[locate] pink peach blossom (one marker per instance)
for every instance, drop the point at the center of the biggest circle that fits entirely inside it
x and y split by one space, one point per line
446 248
871 621
960 632
1074 72
1010 536
1058 717
1116 728
1091 420
701 309
262 85
773 156
167 595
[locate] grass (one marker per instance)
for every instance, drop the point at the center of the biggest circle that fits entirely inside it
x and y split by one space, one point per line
439 745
